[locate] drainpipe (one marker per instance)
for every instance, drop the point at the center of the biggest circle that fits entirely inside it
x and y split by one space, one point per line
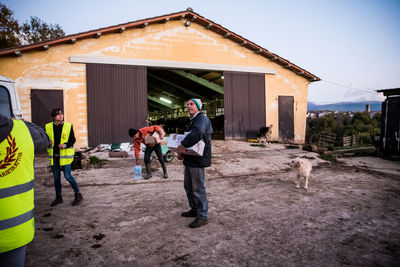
397 135
386 115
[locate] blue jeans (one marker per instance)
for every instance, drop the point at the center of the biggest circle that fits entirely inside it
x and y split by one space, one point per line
15 257
67 174
195 187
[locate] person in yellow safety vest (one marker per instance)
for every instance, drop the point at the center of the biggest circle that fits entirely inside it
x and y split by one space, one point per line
61 153
19 141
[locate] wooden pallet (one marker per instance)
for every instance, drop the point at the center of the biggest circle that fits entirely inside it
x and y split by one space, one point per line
326 139
350 140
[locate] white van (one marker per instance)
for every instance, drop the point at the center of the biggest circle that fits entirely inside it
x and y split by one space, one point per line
9 101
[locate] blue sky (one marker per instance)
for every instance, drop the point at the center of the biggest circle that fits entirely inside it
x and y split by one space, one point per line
352 45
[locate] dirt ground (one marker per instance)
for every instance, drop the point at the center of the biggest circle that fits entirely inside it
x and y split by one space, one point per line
349 216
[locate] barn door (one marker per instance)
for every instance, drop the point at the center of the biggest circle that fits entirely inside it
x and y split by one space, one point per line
244 100
116 100
43 102
286 118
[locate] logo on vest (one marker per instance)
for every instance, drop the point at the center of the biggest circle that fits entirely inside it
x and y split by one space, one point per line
12 159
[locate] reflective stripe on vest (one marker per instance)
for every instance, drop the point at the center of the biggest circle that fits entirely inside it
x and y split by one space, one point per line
12 222
16 188
66 154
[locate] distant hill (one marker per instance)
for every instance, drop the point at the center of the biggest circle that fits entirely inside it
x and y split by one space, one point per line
346 106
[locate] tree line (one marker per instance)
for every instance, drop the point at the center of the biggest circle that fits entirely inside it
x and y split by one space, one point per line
361 124
35 30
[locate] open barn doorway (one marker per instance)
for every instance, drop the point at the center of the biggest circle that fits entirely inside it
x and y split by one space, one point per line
169 89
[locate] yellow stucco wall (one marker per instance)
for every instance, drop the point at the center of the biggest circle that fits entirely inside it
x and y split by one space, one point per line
172 41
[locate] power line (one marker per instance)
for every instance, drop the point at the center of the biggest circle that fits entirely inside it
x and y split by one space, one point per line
353 88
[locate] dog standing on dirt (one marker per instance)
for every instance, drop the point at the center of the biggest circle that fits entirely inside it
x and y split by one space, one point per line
303 169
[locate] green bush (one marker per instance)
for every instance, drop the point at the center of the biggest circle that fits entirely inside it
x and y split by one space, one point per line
364 139
327 157
344 124
94 160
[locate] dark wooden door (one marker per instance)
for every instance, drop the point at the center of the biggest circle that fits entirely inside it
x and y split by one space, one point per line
286 118
117 101
391 124
244 104
43 102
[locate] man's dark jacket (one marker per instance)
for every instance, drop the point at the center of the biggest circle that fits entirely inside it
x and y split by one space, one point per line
200 129
39 136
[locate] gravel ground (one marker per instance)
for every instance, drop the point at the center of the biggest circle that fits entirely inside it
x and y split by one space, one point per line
349 216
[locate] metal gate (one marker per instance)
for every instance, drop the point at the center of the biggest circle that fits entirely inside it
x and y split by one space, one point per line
286 118
244 104
116 100
43 102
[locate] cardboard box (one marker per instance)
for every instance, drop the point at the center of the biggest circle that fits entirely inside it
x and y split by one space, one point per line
175 140
152 139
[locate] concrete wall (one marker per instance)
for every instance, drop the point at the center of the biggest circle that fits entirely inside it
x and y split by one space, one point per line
172 41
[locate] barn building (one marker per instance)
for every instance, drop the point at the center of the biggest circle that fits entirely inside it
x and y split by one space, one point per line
110 79
390 121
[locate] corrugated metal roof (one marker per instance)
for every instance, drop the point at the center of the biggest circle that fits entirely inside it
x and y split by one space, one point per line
188 14
389 92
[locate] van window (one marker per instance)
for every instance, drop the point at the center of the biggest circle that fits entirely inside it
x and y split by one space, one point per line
5 102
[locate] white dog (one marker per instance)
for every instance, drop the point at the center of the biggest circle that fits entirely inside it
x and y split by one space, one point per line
303 168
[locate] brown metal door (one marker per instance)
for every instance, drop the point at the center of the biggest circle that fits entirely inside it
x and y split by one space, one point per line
244 100
43 102
286 118
117 101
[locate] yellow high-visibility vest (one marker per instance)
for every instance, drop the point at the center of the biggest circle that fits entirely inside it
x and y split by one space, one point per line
66 154
17 225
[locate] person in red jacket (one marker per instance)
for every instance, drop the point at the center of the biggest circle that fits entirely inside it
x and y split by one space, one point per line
139 136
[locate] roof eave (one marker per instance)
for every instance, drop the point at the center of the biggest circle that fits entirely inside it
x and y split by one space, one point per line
189 14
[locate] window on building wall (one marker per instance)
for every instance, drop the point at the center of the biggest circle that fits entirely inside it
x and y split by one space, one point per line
5 102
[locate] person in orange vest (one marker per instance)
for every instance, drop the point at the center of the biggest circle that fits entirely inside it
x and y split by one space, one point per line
138 137
19 141
61 153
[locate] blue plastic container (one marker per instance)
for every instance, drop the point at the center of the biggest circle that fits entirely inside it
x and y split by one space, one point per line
137 172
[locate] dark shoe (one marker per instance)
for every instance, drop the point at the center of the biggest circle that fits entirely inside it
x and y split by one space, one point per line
78 199
190 213
164 168
148 176
57 201
198 222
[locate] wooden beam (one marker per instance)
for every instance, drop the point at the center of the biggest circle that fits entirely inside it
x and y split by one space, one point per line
202 81
167 64
193 94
